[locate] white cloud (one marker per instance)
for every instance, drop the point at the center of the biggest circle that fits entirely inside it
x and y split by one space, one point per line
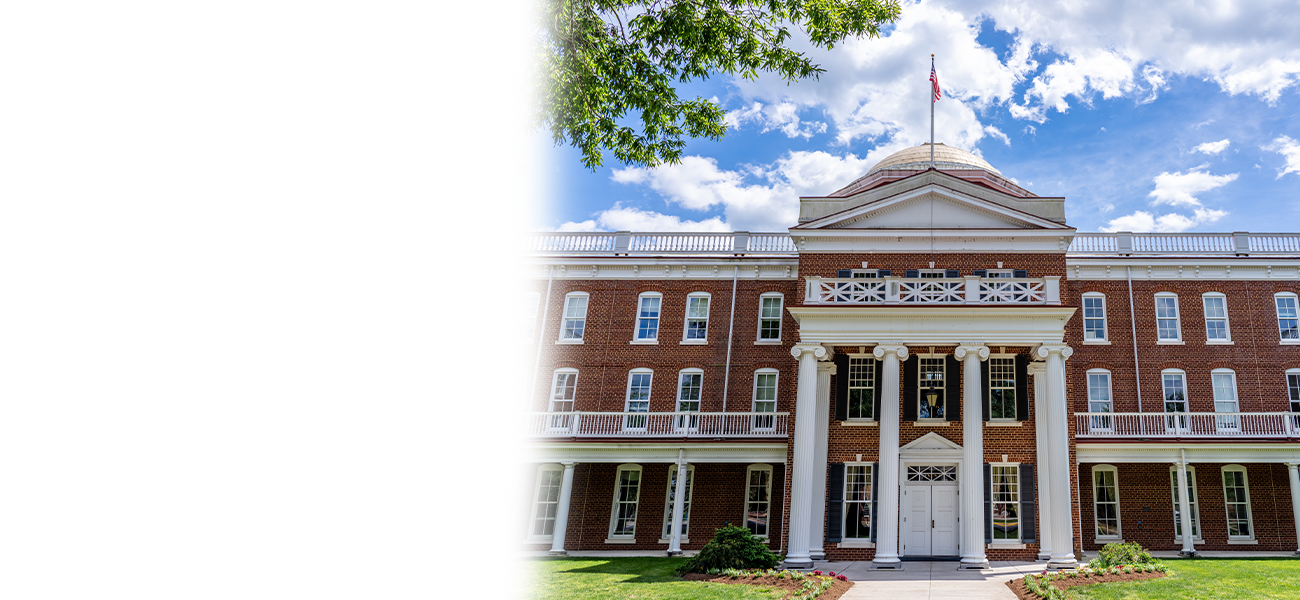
1290 150
783 117
619 218
1212 148
1166 223
1178 188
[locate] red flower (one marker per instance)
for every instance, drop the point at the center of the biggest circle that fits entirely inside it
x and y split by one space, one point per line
817 572
842 578
832 573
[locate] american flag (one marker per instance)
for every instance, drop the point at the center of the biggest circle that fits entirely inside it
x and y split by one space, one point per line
934 83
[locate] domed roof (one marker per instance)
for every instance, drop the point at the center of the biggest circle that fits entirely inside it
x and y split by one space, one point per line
917 158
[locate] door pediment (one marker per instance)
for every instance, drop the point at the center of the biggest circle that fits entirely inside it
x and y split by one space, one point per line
930 441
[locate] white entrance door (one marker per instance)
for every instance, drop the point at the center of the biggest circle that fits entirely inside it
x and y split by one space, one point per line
943 509
930 520
917 521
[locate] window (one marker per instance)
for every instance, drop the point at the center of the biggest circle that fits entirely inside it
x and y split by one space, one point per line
1216 318
1293 389
1225 399
931 273
1191 504
930 384
1000 273
1167 326
1006 502
638 397
647 317
862 399
1002 388
575 317
1174 384
864 274
528 315
857 502
689 383
758 498
1286 317
697 318
1105 498
769 318
627 492
546 501
686 502
1236 494
765 398
563 388
1099 399
1094 317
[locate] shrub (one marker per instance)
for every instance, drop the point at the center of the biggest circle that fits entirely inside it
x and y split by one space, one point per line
1112 555
731 548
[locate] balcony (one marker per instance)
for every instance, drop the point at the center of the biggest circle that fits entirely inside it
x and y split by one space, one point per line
648 425
1186 425
971 290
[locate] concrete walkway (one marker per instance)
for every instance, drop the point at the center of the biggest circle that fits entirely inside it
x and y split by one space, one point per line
931 580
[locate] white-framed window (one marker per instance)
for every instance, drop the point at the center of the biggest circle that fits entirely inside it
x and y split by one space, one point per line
546 501
765 397
1105 499
857 501
564 386
690 382
1005 494
647 317
575 316
864 274
638 397
931 384
1000 273
1173 383
1094 317
1236 495
1168 327
1099 399
1002 388
758 499
862 393
528 303
686 502
769 316
1293 392
1225 399
1194 507
1216 317
1286 317
931 273
627 494
697 318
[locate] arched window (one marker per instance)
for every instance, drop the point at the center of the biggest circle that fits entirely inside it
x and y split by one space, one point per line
1094 317
546 501
1236 496
1168 326
669 498
647 318
622 516
1286 317
696 330
1105 501
574 322
758 499
1216 318
1195 507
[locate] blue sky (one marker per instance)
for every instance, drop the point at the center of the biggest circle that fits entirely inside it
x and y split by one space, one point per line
1146 118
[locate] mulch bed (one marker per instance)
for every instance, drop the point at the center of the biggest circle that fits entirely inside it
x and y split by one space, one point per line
831 593
1018 585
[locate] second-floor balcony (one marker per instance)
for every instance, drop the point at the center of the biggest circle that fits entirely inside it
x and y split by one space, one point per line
972 290
644 425
1186 425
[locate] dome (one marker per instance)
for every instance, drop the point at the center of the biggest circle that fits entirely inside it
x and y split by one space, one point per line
917 158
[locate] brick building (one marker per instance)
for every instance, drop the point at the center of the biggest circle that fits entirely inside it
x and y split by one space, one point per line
930 363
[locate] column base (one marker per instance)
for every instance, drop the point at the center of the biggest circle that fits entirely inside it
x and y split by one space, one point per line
1062 564
1192 553
887 563
973 563
817 554
558 553
1044 556
797 563
674 552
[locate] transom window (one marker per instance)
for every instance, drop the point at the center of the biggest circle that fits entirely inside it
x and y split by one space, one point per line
575 317
686 501
765 397
638 397
1286 317
647 317
697 317
769 318
1105 495
758 491
627 493
1191 503
1002 388
1006 502
1216 318
1236 493
1167 326
930 384
1094 317
862 401
857 501
546 501
932 474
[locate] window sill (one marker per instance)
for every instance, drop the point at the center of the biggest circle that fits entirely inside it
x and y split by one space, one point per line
620 540
1096 342
1004 423
645 342
1243 542
1005 546
1108 540
856 545
695 342
568 342
1170 343
768 343
1195 541
1289 342
1219 343
668 541
936 423
858 423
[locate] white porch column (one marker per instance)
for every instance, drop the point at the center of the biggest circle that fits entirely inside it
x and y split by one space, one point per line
972 475
886 522
801 475
679 495
817 535
562 509
1293 470
1039 371
1058 463
1185 510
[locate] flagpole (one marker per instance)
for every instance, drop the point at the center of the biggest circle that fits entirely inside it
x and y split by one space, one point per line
932 115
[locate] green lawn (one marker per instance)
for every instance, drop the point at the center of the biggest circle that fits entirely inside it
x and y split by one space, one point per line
629 578
1208 579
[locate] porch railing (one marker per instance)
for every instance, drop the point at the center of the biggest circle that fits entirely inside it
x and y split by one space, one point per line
1187 425
658 424
965 290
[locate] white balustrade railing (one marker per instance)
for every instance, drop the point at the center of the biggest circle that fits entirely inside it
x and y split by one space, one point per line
626 242
658 424
1185 243
965 290
1187 425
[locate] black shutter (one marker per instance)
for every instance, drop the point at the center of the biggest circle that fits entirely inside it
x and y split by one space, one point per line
951 273
835 503
988 503
911 273
951 389
1020 273
1027 509
875 388
875 499
845 273
883 272
981 272
1022 387
985 408
842 387
909 387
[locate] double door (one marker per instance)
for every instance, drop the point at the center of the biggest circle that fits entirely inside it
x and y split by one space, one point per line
930 520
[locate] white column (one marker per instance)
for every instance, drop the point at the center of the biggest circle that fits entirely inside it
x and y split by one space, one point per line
817 535
1185 510
972 475
679 496
887 521
1058 460
562 510
1039 371
1293 470
801 475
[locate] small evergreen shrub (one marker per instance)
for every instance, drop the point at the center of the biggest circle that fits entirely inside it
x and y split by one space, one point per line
731 548
1113 555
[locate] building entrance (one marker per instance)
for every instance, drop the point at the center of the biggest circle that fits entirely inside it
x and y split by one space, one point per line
930 511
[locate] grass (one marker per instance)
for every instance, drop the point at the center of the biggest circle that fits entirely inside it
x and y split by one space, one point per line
1208 579
646 578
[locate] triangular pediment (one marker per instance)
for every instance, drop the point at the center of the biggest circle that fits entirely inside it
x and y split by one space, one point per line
931 207
931 441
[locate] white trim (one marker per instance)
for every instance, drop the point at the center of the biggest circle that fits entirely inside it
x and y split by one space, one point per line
658 318
1164 391
564 317
555 380
686 320
1177 318
875 376
1105 318
613 511
1195 268
677 403
1138 452
776 390
744 518
537 488
780 316
659 452
1250 518
930 325
1119 515
1015 408
1277 312
627 396
1020 519
844 507
1228 423
1227 324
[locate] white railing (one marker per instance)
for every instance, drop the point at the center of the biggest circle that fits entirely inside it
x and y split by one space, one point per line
626 242
1185 243
1187 425
899 290
658 424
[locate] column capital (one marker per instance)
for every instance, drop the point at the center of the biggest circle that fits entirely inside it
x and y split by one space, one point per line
979 350
1036 368
1046 350
826 367
883 349
1293 466
818 351
569 465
